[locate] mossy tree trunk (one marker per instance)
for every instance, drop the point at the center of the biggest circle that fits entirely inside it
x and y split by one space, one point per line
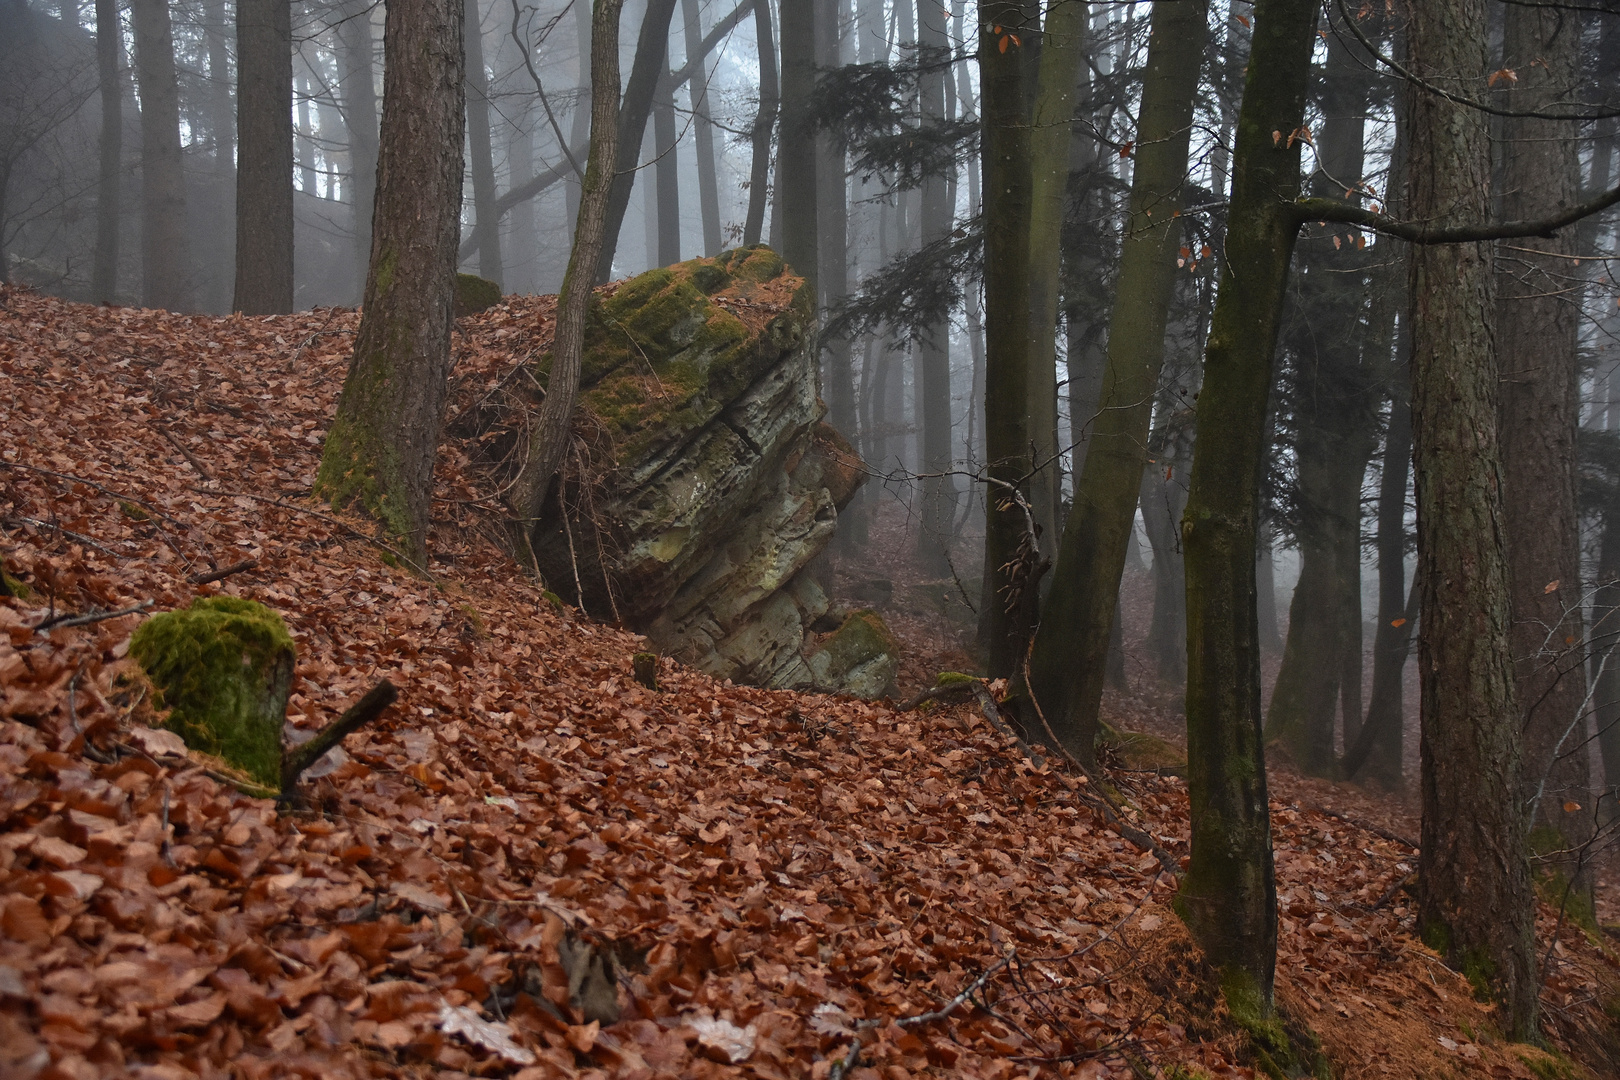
264 164
1229 896
481 156
548 435
1007 77
1068 662
1536 339
380 449
1475 903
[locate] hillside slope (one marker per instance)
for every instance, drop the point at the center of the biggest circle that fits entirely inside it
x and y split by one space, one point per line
529 842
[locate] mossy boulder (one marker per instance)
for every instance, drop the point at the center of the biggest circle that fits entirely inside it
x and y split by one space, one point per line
714 482
861 656
223 668
475 294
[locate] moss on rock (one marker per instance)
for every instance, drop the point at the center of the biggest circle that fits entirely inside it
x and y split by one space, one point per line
475 294
224 669
861 656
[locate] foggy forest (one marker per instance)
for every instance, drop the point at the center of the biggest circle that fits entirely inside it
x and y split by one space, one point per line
830 538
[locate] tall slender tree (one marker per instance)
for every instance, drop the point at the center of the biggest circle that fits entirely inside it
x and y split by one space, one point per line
165 271
104 271
380 449
481 151
1067 664
646 71
358 96
759 170
702 131
934 349
1229 895
264 170
796 148
1008 70
548 434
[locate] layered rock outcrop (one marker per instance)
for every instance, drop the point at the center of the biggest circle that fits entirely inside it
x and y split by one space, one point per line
713 482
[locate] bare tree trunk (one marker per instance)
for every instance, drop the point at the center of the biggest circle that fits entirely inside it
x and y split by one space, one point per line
1229 895
579 129
549 433
934 351
380 450
838 385
652 46
1475 902
1536 339
264 192
666 173
359 99
759 176
486 218
796 149
1067 665
104 271
703 133
165 265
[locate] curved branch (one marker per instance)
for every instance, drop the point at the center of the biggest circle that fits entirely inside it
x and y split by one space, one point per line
1424 233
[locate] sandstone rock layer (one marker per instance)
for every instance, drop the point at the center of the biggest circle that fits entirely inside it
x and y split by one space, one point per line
712 482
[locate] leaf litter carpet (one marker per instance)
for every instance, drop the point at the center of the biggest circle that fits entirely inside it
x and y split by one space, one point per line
529 844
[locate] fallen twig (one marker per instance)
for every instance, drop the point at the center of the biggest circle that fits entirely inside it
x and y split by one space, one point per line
58 622
278 501
296 759
77 538
196 466
218 575
841 1067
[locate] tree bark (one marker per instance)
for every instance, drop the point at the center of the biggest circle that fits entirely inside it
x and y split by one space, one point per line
649 66
380 450
1068 663
1536 339
264 168
486 218
796 147
702 132
759 173
666 173
1229 896
1007 79
832 189
934 348
1475 903
359 98
1164 501
104 269
549 433
165 266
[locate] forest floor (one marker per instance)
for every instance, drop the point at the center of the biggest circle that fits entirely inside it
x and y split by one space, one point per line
756 881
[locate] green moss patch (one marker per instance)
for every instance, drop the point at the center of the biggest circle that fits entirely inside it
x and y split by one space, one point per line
475 294
662 356
223 668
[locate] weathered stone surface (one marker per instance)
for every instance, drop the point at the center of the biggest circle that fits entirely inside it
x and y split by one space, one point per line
223 667
714 482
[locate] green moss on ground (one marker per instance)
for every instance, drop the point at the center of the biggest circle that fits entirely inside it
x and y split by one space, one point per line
475 294
223 667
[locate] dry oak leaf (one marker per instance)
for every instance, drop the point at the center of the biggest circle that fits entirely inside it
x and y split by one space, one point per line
491 1035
